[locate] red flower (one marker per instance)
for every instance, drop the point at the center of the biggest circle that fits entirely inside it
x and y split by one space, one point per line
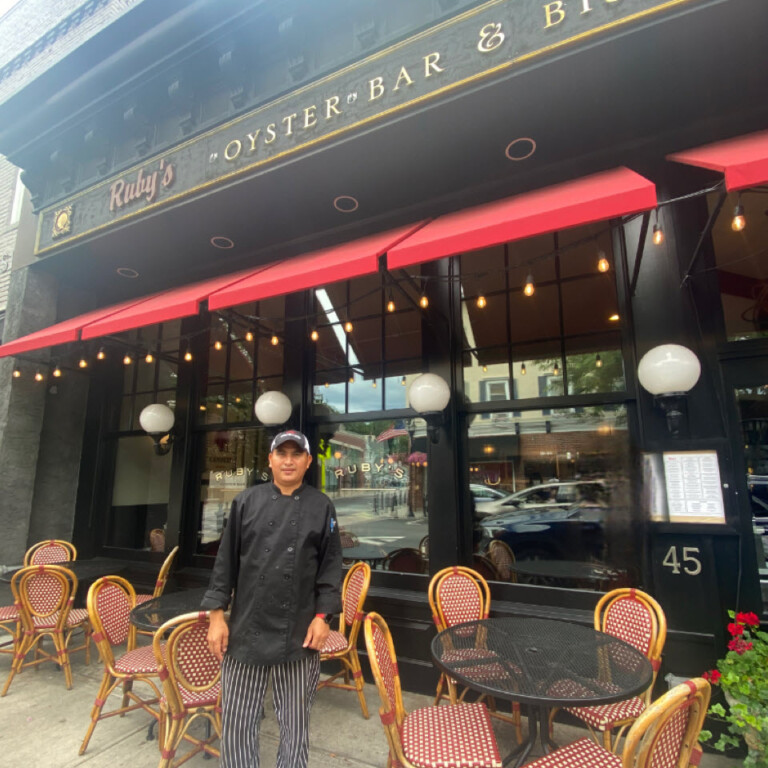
750 619
713 676
739 645
736 629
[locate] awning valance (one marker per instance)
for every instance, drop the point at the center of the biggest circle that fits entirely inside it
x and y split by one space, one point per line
743 160
618 192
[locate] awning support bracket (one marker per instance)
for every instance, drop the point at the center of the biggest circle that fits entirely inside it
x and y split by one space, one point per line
704 234
639 254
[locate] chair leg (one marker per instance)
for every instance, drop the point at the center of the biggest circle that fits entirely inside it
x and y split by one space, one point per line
518 726
454 699
171 742
62 656
20 651
357 676
127 688
107 683
439 693
607 739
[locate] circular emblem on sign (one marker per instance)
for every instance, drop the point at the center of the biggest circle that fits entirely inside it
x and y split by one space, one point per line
346 204
520 149
62 221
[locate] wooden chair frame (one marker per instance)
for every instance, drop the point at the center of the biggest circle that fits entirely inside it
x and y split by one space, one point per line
30 556
350 662
64 585
162 580
112 676
176 716
655 648
10 624
442 622
502 556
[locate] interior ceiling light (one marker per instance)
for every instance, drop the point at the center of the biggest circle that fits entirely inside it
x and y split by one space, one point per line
128 272
556 370
224 243
739 220
522 370
327 385
603 265
529 288
614 318
485 369
481 302
598 362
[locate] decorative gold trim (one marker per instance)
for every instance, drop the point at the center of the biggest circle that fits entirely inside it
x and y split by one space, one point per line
62 222
333 134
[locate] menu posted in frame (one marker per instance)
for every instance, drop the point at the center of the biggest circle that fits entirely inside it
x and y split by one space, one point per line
694 491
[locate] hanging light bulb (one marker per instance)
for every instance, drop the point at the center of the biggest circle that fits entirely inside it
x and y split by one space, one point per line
56 371
658 235
485 369
219 405
390 304
598 362
522 370
739 220
274 341
556 370
603 265
352 379
327 385
314 335
101 354
217 345
149 358
614 318
127 360
529 289
374 385
17 373
348 326
237 399
481 302
83 363
402 382
249 335
188 355
203 408
423 301
38 376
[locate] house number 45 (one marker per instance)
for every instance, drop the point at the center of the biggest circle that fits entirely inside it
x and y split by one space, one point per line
690 563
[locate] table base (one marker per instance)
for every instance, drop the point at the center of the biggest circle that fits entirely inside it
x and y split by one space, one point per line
538 726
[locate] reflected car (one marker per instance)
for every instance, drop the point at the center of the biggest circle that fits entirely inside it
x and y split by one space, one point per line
549 494
549 531
482 493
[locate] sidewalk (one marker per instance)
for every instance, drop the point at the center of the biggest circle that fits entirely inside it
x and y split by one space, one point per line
42 725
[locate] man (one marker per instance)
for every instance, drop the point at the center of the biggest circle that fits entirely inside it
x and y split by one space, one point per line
281 555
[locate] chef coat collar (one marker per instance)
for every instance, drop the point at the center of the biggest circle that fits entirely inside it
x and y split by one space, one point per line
296 492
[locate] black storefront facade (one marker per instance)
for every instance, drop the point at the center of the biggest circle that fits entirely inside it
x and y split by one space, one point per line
268 174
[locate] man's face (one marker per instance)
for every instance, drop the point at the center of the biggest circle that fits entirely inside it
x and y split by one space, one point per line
289 463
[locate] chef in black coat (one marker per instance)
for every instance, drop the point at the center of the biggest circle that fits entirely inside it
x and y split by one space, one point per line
280 555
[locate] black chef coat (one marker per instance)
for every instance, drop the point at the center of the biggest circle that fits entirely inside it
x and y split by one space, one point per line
282 557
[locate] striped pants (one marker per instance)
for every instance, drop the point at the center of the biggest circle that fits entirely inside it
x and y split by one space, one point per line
294 685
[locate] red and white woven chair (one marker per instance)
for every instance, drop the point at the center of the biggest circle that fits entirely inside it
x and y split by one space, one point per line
635 617
191 677
503 558
10 622
44 595
458 594
51 551
663 736
110 601
342 645
452 735
162 580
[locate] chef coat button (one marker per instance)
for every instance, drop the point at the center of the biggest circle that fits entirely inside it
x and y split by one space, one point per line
290 549
286 577
274 498
266 549
261 578
293 522
296 497
271 522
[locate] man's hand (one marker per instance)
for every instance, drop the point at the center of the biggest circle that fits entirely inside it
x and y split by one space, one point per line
316 634
218 634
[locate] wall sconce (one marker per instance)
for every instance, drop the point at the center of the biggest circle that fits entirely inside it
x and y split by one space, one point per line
157 421
669 372
428 396
273 408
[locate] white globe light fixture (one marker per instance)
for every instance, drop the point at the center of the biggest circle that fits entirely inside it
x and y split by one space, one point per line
157 421
669 372
429 395
273 408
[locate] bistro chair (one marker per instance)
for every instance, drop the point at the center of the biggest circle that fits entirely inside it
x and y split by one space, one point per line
162 579
342 645
455 735
405 560
458 594
51 551
502 557
424 546
110 601
191 677
485 567
664 736
348 539
10 622
636 618
44 595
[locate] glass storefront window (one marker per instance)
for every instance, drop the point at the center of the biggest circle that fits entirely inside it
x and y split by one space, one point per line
553 487
376 473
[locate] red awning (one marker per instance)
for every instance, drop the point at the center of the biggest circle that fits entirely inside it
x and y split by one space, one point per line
618 192
743 160
162 307
341 262
61 333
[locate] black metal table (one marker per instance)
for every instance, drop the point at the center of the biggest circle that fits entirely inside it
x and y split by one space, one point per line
565 570
541 663
368 553
155 612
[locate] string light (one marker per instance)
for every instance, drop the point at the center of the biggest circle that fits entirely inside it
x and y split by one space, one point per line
83 363
127 360
348 326
219 405
603 265
423 301
374 385
314 335
522 370
352 379
481 302
402 382
217 345
390 304
739 220
150 358
274 341
17 373
529 288
658 232
202 407
614 318
556 370
249 335
327 385
598 362
101 354
56 371
188 355
38 376
485 369
237 399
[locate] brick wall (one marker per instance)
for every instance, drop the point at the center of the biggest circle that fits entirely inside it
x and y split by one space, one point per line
8 175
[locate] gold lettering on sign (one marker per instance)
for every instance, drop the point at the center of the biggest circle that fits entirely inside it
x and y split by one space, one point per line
232 150
252 137
585 7
554 13
310 116
271 132
332 107
491 37
403 77
289 123
377 88
430 65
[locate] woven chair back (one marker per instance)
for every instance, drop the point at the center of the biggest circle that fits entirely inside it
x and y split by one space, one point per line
456 595
383 660
667 732
503 559
405 560
348 539
165 569
354 592
110 601
635 617
50 551
43 592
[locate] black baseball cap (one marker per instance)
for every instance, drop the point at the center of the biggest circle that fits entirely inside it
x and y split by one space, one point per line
291 435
